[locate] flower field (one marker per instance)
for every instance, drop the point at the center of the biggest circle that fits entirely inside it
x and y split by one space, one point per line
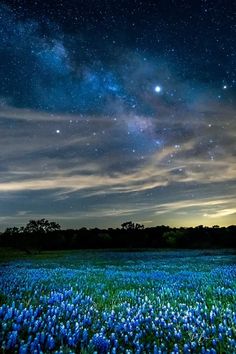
119 302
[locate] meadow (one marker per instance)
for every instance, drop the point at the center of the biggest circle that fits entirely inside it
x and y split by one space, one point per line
119 302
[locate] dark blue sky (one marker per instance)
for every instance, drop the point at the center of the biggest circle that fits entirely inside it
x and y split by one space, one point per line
117 110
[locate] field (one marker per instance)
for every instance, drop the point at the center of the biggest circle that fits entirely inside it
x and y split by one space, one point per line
119 302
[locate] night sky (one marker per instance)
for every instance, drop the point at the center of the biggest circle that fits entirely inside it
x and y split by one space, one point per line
118 110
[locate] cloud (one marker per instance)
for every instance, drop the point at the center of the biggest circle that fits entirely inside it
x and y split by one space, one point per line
36 158
221 213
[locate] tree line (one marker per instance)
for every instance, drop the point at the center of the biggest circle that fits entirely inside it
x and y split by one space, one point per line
39 235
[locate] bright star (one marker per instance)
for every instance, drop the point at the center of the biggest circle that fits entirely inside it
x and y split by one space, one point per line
58 131
224 87
158 89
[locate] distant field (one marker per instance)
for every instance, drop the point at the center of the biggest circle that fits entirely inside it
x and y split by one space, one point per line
118 302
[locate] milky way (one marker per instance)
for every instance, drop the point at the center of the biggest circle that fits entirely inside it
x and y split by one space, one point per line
117 110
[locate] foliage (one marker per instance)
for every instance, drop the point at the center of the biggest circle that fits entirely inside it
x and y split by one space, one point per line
45 235
173 237
41 226
129 225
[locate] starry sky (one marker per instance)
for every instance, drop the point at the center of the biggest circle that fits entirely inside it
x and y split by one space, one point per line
118 110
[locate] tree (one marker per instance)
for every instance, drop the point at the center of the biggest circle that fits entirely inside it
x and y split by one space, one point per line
39 234
17 238
173 238
139 226
129 225
12 231
41 226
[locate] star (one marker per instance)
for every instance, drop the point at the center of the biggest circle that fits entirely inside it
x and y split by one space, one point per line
58 131
158 89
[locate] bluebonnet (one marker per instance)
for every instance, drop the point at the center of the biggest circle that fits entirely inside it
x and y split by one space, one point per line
119 309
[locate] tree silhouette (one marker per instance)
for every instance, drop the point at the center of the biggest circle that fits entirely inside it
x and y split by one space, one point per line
41 226
42 234
39 233
129 225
